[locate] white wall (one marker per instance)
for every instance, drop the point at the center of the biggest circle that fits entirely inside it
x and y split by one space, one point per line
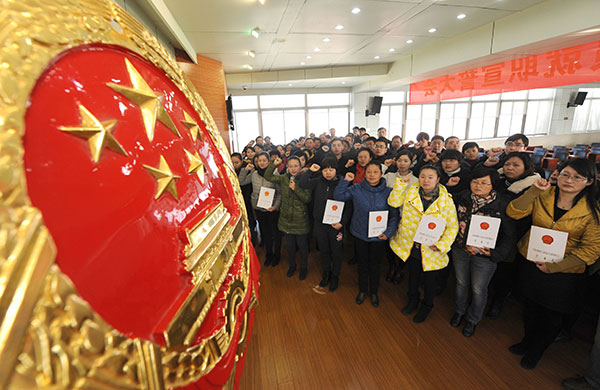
360 102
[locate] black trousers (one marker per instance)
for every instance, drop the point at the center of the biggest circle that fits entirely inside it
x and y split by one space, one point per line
416 273
330 248
299 242
271 235
504 280
541 326
369 255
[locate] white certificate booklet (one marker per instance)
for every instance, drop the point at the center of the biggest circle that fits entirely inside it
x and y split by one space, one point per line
265 199
483 231
430 230
377 222
333 212
546 245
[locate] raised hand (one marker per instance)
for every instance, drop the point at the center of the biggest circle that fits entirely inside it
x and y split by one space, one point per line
490 162
542 184
349 163
315 168
349 176
292 185
249 167
493 152
277 161
325 148
453 181
388 162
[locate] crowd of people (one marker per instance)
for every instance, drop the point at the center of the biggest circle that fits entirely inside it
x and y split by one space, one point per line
387 192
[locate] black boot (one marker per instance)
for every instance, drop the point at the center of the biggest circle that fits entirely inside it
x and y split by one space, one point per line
276 260
334 283
422 314
269 260
495 308
291 271
411 306
325 280
398 275
303 273
391 273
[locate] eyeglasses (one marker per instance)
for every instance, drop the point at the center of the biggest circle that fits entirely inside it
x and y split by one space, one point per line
479 184
514 144
576 179
380 147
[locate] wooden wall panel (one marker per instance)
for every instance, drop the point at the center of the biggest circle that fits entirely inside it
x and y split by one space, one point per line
209 79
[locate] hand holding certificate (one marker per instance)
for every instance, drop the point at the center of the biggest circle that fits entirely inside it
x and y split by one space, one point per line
377 223
483 231
546 245
333 212
430 230
266 197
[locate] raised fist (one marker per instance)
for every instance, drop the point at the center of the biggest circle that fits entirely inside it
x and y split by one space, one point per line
325 148
314 168
453 181
349 163
249 167
542 184
349 176
277 161
388 162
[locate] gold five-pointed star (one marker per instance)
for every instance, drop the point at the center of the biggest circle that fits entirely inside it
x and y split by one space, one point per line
164 178
150 102
192 125
97 133
196 165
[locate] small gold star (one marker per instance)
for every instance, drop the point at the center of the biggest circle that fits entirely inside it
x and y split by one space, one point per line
193 126
97 133
164 178
150 102
196 165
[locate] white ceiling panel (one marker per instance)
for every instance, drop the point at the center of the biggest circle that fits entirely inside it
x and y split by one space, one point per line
227 15
381 45
323 15
229 42
305 43
511 5
286 60
443 18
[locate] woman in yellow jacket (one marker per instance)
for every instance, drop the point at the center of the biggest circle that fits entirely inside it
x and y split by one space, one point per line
551 289
427 197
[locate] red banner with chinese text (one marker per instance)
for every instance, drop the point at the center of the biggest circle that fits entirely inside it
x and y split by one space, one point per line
573 65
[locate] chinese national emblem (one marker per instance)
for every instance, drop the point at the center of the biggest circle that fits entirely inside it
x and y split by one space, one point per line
125 256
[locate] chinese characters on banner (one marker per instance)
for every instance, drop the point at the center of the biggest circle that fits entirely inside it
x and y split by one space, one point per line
573 65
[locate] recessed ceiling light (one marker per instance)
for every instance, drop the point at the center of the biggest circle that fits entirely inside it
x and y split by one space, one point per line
409 41
289 85
461 16
255 32
252 53
247 66
432 29
339 27
308 57
326 39
376 57
262 2
303 63
316 49
391 49
343 82
355 10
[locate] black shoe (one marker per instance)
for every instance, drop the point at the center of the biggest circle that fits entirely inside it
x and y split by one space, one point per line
530 360
303 273
519 348
325 280
352 261
422 314
360 298
469 329
495 309
398 276
456 320
374 300
411 306
578 383
563 337
391 272
291 271
334 283
276 261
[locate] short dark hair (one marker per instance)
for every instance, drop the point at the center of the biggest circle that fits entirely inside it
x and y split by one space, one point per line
422 136
451 154
469 145
238 155
338 139
274 152
405 152
452 136
371 139
345 141
329 162
363 149
397 136
375 163
362 129
384 140
518 137
256 139
529 167
294 158
432 167
437 137
480 172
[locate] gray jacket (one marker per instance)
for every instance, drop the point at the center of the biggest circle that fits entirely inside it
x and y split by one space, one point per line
247 177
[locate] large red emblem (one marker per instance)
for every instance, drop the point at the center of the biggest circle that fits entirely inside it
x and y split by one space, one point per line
137 198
